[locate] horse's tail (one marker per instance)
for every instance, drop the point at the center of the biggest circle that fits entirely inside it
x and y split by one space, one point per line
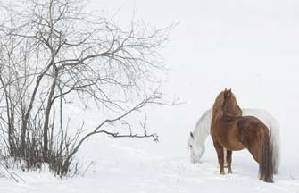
275 141
266 164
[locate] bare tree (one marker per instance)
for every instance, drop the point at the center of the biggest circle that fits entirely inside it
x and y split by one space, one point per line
53 52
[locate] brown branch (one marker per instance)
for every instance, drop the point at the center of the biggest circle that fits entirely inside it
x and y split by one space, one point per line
148 100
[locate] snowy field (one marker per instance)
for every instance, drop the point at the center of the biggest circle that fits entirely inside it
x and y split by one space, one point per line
251 46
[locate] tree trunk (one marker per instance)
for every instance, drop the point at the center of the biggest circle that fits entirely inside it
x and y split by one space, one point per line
48 111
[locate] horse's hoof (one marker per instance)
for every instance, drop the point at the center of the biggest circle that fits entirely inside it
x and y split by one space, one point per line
222 173
268 180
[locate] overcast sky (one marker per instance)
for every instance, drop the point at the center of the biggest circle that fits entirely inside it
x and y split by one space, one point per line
252 43
251 46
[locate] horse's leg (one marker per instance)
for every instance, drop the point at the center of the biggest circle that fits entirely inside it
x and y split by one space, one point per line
219 150
229 160
225 157
256 154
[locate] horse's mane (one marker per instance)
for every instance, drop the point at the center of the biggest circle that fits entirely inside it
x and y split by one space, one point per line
203 127
230 106
204 120
218 106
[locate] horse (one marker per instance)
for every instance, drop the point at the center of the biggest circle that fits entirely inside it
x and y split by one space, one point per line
235 132
197 137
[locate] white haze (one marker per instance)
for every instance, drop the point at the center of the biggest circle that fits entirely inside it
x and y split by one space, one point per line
251 46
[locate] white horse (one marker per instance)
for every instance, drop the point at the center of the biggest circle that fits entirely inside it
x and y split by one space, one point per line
202 129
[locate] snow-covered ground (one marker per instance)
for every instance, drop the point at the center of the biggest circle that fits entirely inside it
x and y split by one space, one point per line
122 166
250 46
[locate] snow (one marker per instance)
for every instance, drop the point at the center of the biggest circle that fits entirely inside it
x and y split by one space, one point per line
250 46
131 168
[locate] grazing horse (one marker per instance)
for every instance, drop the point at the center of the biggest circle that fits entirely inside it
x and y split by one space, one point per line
197 137
234 132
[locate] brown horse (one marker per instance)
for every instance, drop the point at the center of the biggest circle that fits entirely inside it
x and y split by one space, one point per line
235 132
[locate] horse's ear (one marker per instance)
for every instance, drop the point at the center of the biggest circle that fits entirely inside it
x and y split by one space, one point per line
229 92
225 92
191 134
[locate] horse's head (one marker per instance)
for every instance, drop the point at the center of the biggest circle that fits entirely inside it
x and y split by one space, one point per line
230 105
217 106
196 150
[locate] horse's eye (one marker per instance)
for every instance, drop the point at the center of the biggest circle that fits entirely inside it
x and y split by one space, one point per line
190 146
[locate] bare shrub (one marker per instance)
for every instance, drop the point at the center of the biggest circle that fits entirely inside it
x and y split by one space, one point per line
53 53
